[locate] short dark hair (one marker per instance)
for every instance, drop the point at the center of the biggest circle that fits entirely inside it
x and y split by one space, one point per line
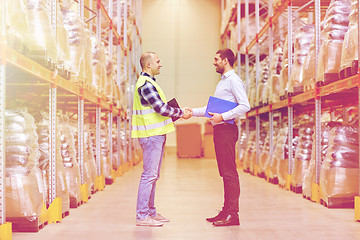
227 53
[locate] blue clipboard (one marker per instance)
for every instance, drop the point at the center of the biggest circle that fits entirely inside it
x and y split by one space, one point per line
218 105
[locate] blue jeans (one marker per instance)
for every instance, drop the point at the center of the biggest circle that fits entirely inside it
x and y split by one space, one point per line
153 152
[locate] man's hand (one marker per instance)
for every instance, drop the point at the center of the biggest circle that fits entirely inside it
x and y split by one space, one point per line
216 117
187 113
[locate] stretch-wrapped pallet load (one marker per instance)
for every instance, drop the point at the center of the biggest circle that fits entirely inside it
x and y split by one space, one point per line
71 167
62 191
105 153
283 158
43 43
303 152
335 26
62 40
284 71
340 171
109 82
274 81
349 54
302 41
250 149
87 179
24 190
252 86
17 24
262 89
310 172
89 159
279 153
98 64
264 155
76 32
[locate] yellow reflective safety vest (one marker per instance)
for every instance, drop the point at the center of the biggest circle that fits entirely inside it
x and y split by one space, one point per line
145 121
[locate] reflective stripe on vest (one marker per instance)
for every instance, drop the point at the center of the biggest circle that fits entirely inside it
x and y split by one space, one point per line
143 112
151 126
145 121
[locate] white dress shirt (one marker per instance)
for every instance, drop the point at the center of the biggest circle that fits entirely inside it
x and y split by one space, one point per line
229 88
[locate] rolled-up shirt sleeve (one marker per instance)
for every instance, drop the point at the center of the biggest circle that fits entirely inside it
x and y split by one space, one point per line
150 96
238 92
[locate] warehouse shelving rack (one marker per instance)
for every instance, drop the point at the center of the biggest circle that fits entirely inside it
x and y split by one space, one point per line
56 92
323 96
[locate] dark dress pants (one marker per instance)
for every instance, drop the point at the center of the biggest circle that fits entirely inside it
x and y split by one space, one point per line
225 137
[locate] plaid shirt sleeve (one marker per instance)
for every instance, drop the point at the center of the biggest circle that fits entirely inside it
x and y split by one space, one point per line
150 96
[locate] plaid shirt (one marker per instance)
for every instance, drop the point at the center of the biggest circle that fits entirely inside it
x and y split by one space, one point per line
150 96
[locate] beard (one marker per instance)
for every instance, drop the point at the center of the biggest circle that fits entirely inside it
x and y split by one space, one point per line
220 69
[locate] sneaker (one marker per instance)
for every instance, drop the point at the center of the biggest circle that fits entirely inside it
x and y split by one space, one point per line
158 217
149 222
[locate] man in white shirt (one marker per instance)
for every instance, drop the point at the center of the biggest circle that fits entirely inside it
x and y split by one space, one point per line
230 88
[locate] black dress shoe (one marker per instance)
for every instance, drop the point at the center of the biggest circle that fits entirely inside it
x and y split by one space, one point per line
228 220
218 217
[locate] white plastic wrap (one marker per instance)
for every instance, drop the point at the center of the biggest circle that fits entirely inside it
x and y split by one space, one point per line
24 190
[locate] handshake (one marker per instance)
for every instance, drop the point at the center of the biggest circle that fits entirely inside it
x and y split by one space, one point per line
187 113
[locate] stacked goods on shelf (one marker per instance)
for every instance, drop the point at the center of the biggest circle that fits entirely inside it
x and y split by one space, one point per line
17 25
303 151
262 89
264 126
252 86
274 80
105 156
349 55
241 146
80 57
230 7
109 82
284 72
278 154
62 191
43 43
302 41
308 70
98 65
310 173
250 151
89 160
339 177
264 155
283 160
335 26
63 46
71 167
24 189
115 157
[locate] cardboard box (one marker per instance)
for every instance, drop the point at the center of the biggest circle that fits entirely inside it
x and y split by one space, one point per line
188 140
209 149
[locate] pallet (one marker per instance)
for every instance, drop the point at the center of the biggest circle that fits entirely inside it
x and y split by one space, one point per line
296 189
338 202
307 197
40 56
109 181
283 97
15 43
261 175
63 72
65 214
296 91
274 180
349 71
328 78
23 224
74 203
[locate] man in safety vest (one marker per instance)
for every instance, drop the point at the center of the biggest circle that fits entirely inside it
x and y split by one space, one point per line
151 121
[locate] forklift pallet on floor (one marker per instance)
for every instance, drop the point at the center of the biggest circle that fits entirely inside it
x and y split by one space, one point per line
24 224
